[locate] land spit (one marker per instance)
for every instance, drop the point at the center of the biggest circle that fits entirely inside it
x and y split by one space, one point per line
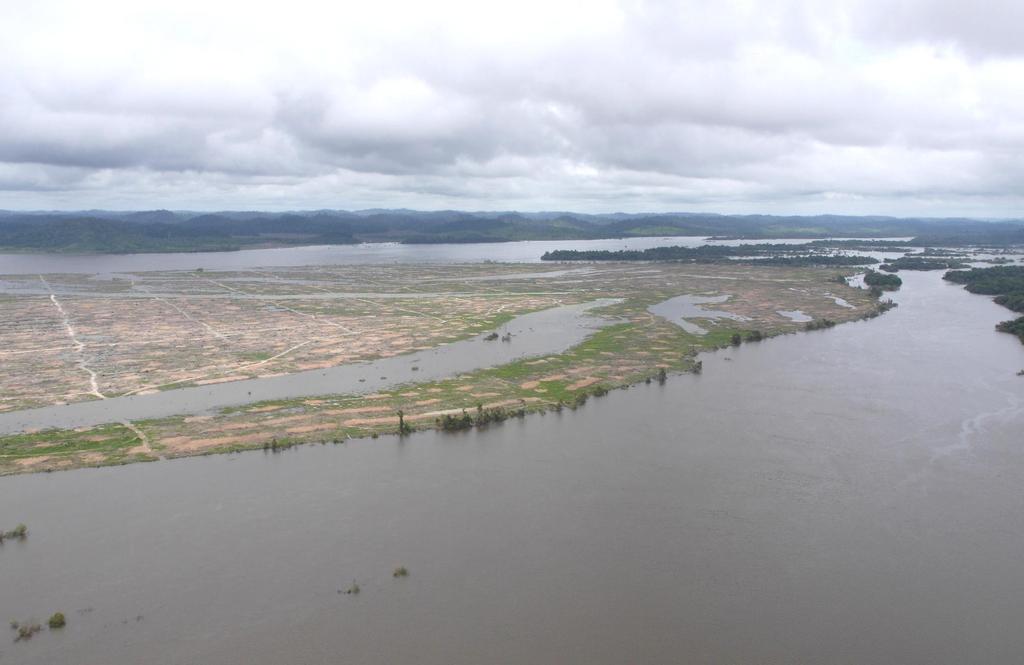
548 331
182 373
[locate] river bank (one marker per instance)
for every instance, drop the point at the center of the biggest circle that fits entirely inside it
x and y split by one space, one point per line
452 387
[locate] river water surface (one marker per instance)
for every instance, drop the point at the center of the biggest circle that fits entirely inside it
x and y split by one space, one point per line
526 251
851 495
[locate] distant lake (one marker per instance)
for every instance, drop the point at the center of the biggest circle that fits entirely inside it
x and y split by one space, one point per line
527 251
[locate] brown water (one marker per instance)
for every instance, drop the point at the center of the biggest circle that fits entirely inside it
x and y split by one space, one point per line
852 495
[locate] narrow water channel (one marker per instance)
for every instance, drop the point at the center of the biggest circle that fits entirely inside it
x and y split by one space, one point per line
851 495
544 332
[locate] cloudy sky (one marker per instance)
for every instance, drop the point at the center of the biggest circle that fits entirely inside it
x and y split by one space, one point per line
895 107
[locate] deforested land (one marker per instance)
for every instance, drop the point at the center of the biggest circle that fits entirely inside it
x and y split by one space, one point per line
69 339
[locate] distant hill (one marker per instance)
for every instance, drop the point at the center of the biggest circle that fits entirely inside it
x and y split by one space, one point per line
177 231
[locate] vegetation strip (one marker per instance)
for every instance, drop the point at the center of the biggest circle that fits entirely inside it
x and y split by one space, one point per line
1006 283
806 254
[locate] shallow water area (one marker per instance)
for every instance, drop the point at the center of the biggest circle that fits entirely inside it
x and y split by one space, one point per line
795 315
680 309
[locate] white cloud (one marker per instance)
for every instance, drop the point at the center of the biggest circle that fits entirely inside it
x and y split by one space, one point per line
782 106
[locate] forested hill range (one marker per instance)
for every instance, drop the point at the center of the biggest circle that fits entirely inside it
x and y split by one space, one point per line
167 231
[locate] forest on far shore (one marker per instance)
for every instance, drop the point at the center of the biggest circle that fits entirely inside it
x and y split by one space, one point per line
1006 283
98 231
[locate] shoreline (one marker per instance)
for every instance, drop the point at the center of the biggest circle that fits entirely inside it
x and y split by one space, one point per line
479 397
360 378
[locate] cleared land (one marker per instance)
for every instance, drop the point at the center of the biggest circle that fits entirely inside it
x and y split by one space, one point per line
68 338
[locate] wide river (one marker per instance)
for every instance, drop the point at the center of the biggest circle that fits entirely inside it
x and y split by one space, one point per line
852 495
528 251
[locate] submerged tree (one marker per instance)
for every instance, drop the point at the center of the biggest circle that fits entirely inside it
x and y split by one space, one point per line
403 427
882 281
19 532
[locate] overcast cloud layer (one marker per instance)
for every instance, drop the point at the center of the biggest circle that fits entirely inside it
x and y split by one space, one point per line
910 107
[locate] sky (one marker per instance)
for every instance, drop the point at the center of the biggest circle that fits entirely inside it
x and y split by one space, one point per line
901 107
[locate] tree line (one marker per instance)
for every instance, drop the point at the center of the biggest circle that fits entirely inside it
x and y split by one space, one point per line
756 254
1006 283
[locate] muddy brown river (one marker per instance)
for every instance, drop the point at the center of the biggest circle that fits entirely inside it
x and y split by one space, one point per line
852 495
